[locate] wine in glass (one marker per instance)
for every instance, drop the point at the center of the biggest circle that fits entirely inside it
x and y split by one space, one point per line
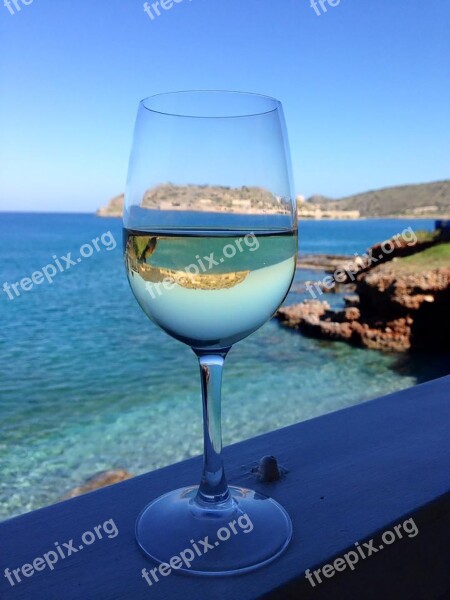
210 241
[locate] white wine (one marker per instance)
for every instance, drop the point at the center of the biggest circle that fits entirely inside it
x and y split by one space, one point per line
207 169
210 289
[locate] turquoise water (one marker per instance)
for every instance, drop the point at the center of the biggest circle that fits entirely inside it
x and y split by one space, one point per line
88 383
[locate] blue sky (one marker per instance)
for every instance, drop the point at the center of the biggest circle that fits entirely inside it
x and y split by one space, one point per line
365 87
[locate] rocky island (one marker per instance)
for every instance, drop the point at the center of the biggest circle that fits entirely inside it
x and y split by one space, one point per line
202 198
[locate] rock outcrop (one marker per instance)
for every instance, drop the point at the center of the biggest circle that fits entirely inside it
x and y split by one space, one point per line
402 306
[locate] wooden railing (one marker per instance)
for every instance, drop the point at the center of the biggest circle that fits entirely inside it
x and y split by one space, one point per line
352 475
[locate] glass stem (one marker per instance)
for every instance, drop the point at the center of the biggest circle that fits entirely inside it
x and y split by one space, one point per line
213 487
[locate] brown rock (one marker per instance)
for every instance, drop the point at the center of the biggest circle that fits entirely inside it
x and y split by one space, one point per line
309 311
352 314
99 480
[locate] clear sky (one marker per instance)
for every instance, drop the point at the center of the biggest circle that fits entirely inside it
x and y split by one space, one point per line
365 86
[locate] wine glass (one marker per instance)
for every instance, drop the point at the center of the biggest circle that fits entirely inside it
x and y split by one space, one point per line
210 242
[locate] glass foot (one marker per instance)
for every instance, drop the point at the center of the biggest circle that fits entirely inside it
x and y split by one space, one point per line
246 532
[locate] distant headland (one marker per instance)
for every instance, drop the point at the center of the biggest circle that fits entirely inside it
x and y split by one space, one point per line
421 201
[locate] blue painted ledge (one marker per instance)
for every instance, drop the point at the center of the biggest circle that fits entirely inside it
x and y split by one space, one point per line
353 474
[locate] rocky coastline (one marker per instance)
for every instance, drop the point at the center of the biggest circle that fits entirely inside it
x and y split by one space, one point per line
401 304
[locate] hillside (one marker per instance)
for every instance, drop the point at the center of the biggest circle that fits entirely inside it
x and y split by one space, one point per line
423 200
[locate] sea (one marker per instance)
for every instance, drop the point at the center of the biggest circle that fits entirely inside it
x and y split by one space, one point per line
88 383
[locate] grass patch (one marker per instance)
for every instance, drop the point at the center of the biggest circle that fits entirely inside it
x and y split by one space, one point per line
432 258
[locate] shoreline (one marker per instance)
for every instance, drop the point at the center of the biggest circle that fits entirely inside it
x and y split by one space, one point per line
399 304
114 215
